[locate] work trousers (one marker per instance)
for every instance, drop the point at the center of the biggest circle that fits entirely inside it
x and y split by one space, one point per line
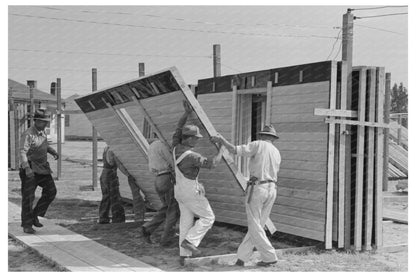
139 206
193 203
111 198
168 214
258 211
28 189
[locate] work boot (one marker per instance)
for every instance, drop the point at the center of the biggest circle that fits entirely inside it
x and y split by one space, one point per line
189 246
182 260
265 264
36 222
29 230
239 262
169 243
146 235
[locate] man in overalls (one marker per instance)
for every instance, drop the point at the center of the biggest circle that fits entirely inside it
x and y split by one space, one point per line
35 171
264 165
189 193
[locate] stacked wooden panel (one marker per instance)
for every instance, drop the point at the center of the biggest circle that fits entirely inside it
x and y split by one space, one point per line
363 214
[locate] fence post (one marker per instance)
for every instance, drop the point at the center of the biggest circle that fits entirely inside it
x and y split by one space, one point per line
94 138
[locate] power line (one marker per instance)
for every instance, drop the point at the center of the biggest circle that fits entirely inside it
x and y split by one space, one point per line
379 29
229 67
168 28
377 8
180 19
105 54
69 69
339 50
333 46
380 15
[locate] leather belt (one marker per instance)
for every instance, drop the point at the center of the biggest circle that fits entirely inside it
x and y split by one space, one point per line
163 173
252 182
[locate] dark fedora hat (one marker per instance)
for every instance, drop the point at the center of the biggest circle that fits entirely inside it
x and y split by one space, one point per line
269 130
42 114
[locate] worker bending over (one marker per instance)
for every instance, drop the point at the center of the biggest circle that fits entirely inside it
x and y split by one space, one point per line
161 165
111 198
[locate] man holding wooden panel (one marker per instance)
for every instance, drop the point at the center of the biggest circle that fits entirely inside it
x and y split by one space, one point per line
260 193
189 193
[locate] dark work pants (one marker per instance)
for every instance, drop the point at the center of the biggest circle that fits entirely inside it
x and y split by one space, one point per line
168 214
111 197
28 189
139 206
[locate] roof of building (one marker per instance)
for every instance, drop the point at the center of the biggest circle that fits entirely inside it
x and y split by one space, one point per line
20 91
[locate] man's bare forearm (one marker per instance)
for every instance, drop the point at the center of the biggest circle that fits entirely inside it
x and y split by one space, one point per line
217 158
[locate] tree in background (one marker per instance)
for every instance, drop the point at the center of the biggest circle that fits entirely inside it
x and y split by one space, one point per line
399 102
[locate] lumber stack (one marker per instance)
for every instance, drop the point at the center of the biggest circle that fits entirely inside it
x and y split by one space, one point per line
358 219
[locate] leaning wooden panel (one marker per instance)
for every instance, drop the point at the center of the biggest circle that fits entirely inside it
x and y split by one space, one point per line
163 107
128 152
331 160
341 157
379 161
369 183
362 89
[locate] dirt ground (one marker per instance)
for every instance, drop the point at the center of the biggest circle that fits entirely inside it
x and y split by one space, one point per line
22 258
78 210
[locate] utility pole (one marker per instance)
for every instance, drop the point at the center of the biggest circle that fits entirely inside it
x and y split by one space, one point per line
31 85
59 126
141 70
53 88
94 138
347 40
217 60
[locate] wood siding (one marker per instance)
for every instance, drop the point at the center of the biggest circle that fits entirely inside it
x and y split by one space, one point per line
116 135
301 194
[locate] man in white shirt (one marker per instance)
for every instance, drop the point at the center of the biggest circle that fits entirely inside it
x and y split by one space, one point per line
264 165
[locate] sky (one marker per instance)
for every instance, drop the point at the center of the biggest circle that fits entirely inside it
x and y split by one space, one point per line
49 42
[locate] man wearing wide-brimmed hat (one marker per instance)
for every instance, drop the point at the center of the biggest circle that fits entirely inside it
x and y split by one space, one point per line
189 193
35 171
264 165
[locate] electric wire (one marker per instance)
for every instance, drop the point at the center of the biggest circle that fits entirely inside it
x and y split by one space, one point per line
377 8
379 29
168 28
180 19
333 46
380 15
105 54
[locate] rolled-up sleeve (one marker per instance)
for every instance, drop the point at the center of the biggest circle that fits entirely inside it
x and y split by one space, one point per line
247 150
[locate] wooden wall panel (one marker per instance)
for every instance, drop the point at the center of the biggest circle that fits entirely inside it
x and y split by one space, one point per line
117 137
301 196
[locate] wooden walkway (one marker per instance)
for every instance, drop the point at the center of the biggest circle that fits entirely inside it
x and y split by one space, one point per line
70 250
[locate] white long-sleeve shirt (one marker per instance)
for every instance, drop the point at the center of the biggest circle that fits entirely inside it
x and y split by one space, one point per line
264 160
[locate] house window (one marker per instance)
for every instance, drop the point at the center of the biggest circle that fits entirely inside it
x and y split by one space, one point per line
147 129
276 77
253 81
300 76
67 119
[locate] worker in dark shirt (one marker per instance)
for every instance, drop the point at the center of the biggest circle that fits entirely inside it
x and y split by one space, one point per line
189 193
35 171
